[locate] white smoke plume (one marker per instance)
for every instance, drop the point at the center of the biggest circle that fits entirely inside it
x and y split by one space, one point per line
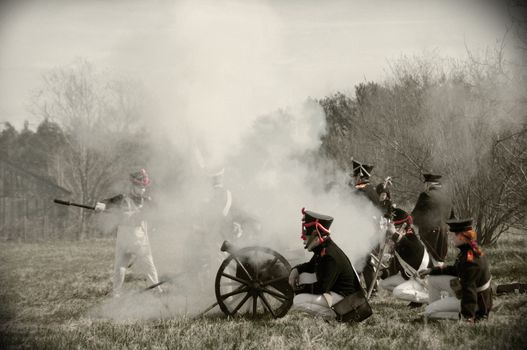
224 101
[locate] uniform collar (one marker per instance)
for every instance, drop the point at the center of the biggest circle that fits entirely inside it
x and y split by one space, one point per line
464 247
318 249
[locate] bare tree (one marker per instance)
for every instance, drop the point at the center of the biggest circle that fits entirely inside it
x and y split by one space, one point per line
458 118
99 117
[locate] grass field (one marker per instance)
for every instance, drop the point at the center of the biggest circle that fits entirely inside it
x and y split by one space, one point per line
50 294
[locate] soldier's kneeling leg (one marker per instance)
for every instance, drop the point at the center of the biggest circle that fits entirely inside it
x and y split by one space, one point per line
446 308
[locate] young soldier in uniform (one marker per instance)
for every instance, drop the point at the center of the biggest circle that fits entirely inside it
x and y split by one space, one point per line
468 279
329 276
432 209
410 257
221 223
132 234
219 219
361 181
225 219
385 198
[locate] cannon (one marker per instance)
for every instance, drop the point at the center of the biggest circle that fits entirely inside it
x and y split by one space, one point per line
253 282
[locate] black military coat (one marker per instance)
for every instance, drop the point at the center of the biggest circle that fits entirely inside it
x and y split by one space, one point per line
473 272
333 270
371 194
222 213
430 213
411 250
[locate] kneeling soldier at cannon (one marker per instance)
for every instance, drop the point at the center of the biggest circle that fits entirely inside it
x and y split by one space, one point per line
468 279
328 277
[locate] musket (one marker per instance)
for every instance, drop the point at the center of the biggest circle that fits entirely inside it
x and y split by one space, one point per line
378 268
387 182
85 206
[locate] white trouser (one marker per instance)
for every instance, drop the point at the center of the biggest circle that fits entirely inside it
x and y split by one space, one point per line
316 304
443 303
391 282
410 290
132 242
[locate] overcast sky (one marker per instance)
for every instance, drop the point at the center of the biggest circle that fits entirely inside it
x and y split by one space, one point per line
309 48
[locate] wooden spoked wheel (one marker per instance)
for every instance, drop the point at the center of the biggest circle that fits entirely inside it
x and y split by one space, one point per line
253 282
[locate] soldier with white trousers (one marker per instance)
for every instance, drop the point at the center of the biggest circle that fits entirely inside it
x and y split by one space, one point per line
411 257
132 245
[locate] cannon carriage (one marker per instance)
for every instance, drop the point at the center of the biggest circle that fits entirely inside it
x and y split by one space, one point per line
253 281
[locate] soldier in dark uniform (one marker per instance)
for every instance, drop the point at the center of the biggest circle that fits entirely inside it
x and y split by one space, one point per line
329 276
432 209
385 198
468 279
410 257
219 218
362 185
219 211
361 182
224 217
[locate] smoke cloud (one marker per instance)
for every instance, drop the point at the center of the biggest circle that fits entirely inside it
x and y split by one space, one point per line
224 101
225 94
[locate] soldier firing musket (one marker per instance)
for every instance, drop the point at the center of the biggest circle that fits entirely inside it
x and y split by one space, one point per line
380 261
361 182
132 232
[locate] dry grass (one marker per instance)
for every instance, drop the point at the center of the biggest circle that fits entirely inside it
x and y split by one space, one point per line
49 292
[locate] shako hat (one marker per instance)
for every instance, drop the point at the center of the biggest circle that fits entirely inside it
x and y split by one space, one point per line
431 177
140 178
362 170
400 216
323 220
459 225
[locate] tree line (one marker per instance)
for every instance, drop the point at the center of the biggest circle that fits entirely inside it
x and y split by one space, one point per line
460 119
89 135
463 119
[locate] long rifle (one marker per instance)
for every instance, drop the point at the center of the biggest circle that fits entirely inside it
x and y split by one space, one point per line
378 267
387 182
85 206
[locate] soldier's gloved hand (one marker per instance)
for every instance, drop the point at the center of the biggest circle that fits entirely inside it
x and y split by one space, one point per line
100 207
293 277
424 272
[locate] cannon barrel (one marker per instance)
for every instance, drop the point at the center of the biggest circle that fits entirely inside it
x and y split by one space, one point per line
227 247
